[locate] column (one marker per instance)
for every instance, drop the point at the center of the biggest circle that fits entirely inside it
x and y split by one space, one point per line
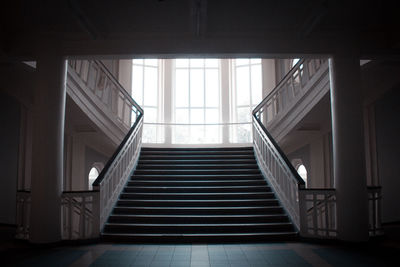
348 148
48 144
225 96
168 99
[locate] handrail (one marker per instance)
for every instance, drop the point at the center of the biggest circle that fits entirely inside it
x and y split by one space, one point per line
278 86
279 151
119 85
120 148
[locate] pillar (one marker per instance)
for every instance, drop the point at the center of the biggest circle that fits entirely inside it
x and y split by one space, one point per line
48 144
348 148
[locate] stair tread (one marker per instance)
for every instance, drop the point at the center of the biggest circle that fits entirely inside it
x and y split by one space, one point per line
198 200
196 225
199 208
204 235
198 216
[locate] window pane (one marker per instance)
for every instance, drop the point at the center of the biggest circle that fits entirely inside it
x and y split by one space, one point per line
197 116
150 86
212 115
196 88
181 62
137 84
151 62
182 115
255 60
180 134
138 61
242 61
182 88
256 84
149 134
212 88
150 114
196 134
212 134
242 86
197 63
243 114
212 62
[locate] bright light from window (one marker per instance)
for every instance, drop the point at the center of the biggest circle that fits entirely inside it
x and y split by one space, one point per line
93 174
302 171
295 61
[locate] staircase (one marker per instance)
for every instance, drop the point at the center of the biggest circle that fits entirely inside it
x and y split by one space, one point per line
197 195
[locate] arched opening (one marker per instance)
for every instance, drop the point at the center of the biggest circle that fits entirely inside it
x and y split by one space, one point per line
302 171
93 174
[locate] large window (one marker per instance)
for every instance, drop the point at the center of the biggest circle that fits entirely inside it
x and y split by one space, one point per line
146 91
196 101
247 83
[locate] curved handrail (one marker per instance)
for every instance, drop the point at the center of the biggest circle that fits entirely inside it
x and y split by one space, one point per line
278 86
120 87
120 148
279 152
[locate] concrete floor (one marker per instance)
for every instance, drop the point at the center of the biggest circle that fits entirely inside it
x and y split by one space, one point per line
382 252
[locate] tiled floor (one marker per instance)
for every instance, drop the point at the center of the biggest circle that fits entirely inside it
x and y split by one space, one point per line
240 255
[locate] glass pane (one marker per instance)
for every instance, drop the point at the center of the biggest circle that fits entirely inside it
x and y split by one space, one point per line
242 61
151 62
212 63
150 86
182 115
255 60
242 86
182 88
243 114
256 84
197 134
149 134
180 134
212 88
150 115
197 116
212 115
196 88
182 63
212 134
137 61
137 84
197 63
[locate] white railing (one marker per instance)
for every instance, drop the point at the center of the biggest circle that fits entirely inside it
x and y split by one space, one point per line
318 213
291 89
23 214
78 215
104 90
115 174
87 212
375 210
277 169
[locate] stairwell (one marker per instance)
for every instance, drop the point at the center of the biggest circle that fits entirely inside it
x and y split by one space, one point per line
197 195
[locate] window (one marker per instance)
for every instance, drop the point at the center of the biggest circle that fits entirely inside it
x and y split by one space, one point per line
196 101
247 80
146 92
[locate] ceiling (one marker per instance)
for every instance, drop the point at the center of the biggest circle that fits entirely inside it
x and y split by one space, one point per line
198 27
